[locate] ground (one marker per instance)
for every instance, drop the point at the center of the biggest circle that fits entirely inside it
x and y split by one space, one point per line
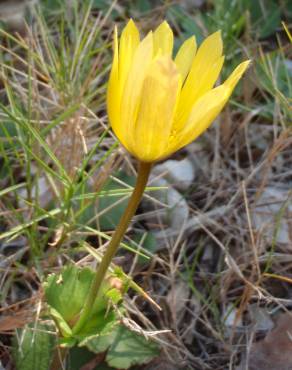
211 242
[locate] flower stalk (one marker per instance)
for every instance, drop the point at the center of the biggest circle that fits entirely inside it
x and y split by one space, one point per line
157 104
142 178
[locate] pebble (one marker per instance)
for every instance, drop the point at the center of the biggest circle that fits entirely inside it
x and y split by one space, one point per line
179 173
270 216
176 210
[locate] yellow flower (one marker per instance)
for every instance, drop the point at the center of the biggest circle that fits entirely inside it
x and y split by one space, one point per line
157 104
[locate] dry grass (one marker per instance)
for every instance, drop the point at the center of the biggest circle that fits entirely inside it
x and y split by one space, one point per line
212 277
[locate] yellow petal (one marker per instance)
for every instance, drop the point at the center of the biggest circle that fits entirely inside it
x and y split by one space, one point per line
203 113
191 94
185 56
158 103
236 74
207 108
163 39
204 72
131 94
129 42
113 98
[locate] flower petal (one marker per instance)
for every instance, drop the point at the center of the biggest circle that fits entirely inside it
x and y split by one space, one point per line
163 39
207 108
236 74
113 96
131 94
158 103
204 72
185 56
129 42
203 113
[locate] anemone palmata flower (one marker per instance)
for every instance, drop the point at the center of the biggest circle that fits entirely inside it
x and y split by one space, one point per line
157 104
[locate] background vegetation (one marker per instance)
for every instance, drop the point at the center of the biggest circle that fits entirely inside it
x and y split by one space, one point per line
214 250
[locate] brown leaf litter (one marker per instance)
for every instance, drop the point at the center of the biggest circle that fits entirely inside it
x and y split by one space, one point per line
274 352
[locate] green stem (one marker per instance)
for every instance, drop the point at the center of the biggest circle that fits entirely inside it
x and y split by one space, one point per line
143 175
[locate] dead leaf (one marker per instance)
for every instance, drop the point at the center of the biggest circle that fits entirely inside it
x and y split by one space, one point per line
12 322
274 352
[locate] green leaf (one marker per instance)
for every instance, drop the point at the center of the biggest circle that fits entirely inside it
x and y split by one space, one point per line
114 295
187 23
67 342
109 219
79 357
19 228
11 188
100 4
265 18
143 6
125 348
129 348
67 292
63 327
148 242
98 343
33 347
8 128
109 202
272 21
99 324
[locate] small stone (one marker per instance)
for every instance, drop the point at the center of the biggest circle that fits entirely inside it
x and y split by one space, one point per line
208 254
288 65
176 211
261 319
272 215
230 317
180 174
41 191
12 12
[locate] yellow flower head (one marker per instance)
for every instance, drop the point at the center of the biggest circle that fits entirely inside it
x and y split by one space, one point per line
157 104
